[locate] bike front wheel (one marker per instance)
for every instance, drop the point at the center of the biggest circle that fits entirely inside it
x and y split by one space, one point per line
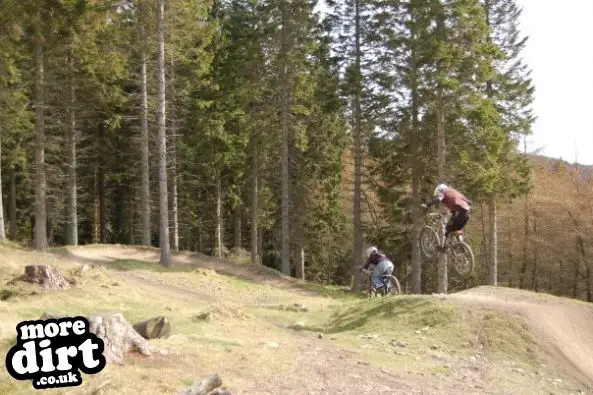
394 287
462 257
428 240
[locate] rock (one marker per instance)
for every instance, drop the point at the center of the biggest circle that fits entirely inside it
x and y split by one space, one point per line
519 370
220 391
48 277
434 347
47 316
118 335
399 343
320 336
154 328
205 386
272 344
297 308
6 294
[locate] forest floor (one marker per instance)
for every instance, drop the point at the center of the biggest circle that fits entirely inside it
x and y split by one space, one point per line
481 341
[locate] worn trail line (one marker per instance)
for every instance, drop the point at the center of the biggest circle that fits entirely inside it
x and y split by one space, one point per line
563 327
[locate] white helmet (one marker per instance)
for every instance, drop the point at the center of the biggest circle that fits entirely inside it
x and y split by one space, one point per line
372 250
441 188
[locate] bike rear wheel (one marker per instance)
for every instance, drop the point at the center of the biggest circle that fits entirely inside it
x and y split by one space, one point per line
462 258
428 240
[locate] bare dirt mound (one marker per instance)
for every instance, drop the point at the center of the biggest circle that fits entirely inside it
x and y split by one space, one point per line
183 261
562 326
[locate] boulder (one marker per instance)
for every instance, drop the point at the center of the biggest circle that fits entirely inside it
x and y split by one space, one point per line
154 328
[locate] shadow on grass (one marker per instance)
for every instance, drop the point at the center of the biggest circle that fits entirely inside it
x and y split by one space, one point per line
125 265
405 311
332 291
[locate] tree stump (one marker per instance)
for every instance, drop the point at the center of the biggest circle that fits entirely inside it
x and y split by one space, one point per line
154 328
118 335
47 276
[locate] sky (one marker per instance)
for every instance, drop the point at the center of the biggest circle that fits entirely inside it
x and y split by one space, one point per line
558 52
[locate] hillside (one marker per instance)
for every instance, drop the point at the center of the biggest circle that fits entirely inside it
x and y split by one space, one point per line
484 340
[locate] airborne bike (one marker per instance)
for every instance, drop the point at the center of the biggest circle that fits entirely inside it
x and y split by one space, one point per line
459 253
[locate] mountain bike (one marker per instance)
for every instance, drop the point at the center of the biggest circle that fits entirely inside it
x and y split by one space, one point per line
458 251
390 285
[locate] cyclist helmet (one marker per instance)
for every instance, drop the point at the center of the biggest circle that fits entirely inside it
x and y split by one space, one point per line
372 250
441 188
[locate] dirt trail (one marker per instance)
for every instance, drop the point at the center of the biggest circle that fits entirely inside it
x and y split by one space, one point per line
562 327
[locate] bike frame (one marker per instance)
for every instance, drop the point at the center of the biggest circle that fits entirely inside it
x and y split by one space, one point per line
443 219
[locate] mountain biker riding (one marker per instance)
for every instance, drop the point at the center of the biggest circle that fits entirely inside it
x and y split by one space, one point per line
457 203
383 266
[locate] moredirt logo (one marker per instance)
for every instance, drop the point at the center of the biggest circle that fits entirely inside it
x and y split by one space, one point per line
51 352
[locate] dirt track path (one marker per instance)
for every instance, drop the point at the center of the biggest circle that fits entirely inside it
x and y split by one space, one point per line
565 327
320 367
313 366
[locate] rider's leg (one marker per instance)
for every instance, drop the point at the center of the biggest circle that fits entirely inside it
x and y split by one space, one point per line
449 228
455 224
376 276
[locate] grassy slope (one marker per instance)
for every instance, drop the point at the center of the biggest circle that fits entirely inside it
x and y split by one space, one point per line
412 342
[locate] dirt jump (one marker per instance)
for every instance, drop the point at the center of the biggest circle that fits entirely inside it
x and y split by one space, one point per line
562 326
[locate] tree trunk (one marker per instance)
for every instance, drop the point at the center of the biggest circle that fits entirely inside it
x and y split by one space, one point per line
131 223
96 204
101 185
72 217
416 178
580 261
173 152
162 139
416 227
589 284
442 256
534 279
13 227
493 244
144 148
356 210
40 178
237 223
526 231
2 230
218 232
300 264
254 204
260 245
510 252
285 196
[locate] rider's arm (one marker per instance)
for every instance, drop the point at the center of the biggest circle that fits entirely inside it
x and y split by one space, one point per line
435 200
366 264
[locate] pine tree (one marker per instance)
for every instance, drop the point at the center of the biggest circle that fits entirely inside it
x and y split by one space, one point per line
501 116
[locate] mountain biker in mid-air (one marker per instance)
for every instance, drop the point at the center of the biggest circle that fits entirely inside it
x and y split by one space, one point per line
383 266
457 203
